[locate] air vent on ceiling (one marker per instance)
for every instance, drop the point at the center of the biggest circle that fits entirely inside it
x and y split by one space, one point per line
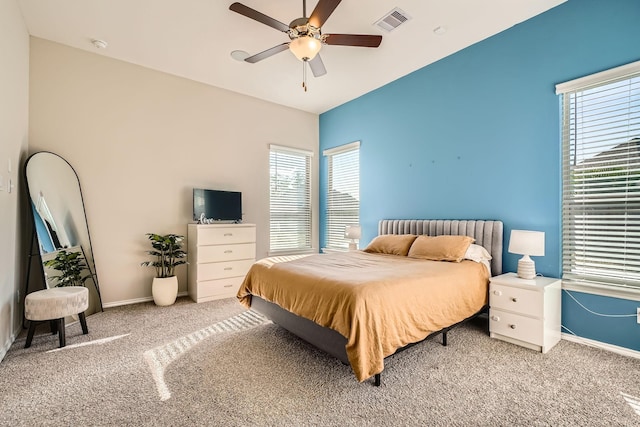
392 20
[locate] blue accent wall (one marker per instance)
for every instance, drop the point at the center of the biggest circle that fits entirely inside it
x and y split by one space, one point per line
477 135
578 318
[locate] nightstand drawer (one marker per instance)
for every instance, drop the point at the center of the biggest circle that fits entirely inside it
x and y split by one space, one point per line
519 327
522 301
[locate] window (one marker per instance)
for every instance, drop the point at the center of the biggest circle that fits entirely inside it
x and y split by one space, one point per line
289 199
343 194
601 178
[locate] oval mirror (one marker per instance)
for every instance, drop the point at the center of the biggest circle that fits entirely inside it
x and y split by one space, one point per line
59 219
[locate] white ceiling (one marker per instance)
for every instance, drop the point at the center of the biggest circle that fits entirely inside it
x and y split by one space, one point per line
194 39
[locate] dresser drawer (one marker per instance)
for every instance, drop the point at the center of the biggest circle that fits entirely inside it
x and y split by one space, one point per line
220 287
522 301
220 270
515 326
216 253
226 235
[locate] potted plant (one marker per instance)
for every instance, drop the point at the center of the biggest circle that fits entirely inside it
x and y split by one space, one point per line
71 266
168 253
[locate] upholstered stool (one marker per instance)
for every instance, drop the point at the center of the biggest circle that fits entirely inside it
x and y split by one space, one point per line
54 305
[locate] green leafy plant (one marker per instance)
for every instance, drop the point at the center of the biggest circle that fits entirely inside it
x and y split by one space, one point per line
168 253
71 266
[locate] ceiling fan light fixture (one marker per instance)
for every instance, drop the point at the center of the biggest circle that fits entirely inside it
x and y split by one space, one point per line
305 48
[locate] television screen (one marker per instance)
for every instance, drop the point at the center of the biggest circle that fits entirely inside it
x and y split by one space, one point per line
217 205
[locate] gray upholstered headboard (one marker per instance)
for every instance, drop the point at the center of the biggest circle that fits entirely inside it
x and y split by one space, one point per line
486 233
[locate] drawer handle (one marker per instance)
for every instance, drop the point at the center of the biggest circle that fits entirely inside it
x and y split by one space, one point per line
495 318
228 268
228 234
228 251
514 299
228 286
497 293
512 326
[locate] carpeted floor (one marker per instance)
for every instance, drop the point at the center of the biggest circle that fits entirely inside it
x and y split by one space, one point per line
216 364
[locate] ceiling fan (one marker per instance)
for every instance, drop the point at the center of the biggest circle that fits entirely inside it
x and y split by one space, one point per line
305 34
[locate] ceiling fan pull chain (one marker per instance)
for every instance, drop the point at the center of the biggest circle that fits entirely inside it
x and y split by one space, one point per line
304 76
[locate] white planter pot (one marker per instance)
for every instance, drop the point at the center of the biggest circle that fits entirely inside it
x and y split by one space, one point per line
164 290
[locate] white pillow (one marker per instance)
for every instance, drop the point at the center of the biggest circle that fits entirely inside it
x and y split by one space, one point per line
477 253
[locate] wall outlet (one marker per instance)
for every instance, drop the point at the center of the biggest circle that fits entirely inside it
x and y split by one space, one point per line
638 314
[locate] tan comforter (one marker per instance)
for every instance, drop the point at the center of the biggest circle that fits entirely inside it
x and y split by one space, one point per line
378 302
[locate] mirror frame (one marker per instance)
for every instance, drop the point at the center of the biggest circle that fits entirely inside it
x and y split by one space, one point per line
34 239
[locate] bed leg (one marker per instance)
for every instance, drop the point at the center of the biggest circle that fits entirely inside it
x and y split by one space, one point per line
444 338
376 380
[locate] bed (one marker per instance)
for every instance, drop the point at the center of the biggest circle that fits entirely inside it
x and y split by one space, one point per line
362 307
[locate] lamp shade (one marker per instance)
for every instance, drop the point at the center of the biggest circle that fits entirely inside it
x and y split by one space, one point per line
305 48
353 232
526 242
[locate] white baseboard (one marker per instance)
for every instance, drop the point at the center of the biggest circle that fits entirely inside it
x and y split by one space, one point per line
5 347
7 344
601 345
136 301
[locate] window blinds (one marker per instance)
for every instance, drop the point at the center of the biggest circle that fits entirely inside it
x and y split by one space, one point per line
289 199
601 179
343 196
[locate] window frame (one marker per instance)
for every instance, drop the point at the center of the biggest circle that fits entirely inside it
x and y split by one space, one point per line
335 226
624 285
304 234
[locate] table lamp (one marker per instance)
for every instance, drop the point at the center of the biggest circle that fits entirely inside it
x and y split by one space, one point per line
353 232
526 243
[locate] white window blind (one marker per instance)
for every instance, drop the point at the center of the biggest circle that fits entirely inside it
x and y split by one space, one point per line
343 196
289 199
601 178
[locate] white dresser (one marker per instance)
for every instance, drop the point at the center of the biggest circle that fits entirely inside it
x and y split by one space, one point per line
219 257
525 312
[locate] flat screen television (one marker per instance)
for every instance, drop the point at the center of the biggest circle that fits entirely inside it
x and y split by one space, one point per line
217 205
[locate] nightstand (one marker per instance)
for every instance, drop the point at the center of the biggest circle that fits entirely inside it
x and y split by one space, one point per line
525 312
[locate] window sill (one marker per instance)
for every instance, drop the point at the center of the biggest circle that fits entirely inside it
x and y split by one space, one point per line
300 252
334 250
602 290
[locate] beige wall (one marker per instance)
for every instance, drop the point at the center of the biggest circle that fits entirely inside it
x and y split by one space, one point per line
14 90
140 140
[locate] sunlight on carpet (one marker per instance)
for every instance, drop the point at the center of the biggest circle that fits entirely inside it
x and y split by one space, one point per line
159 358
634 402
84 344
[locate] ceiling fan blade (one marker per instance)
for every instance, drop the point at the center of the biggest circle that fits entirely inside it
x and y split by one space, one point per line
361 40
323 10
267 53
260 17
317 66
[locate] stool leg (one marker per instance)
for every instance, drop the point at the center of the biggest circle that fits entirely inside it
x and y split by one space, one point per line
83 323
32 329
61 332
54 326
